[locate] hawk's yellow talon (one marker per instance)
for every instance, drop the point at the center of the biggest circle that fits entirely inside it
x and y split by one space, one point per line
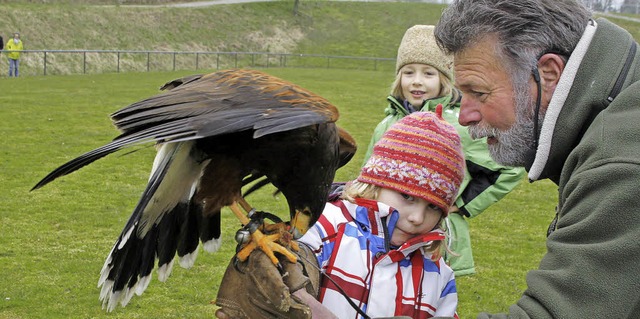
267 243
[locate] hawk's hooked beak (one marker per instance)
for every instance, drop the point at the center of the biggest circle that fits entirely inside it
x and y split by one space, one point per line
300 223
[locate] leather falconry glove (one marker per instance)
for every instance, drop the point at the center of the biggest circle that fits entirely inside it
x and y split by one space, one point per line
256 289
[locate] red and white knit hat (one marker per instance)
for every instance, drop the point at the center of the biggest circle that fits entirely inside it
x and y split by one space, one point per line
421 156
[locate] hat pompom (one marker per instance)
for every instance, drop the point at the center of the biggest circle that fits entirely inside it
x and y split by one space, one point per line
439 111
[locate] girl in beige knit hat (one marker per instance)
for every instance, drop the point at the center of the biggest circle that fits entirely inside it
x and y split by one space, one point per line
423 71
424 79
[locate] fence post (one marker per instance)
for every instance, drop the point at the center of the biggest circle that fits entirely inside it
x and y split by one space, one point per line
45 63
118 67
235 64
174 61
217 61
197 56
84 62
148 59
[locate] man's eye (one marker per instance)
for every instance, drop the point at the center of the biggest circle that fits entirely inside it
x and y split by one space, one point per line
478 94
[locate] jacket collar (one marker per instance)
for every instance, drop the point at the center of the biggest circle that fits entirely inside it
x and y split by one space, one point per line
396 105
380 213
557 101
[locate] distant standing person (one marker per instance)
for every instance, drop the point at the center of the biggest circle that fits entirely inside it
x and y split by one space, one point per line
1 43
14 47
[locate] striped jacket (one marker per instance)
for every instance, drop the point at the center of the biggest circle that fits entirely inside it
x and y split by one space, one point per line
351 243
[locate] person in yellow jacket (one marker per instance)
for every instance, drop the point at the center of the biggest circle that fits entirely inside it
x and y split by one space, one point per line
14 47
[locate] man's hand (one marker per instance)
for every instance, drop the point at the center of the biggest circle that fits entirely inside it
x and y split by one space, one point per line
256 289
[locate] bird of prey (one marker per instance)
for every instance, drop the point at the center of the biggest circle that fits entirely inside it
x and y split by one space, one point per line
214 134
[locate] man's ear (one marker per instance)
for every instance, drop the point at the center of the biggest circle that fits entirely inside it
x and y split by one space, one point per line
550 66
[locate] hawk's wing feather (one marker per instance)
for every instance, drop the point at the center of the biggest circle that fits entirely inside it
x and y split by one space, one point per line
210 105
226 96
172 132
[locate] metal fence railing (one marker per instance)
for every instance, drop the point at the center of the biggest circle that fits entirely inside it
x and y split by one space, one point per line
53 62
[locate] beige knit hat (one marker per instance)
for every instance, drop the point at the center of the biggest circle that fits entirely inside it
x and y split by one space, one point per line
419 46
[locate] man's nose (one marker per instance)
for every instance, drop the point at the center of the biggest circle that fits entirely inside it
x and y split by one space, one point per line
469 112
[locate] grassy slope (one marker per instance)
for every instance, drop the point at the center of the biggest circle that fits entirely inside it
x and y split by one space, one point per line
361 29
329 28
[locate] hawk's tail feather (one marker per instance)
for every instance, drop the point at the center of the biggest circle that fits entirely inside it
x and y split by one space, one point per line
161 225
210 228
129 267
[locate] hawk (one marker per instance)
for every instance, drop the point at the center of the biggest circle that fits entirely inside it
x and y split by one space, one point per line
214 134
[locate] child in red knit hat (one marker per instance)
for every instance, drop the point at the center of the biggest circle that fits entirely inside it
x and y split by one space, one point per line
377 246
380 243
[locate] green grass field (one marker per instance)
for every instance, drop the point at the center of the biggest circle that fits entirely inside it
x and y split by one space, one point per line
53 241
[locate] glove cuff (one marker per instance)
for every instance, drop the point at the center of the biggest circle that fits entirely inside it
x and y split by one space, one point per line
310 268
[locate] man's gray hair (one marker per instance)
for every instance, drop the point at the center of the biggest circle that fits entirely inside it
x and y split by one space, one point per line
525 29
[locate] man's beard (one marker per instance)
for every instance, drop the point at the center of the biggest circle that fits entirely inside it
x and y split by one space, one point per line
513 146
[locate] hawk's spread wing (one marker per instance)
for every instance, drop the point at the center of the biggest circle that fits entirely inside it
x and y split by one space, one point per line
209 105
213 132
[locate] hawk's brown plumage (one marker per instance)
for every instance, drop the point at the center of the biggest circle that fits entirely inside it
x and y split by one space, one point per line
214 132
